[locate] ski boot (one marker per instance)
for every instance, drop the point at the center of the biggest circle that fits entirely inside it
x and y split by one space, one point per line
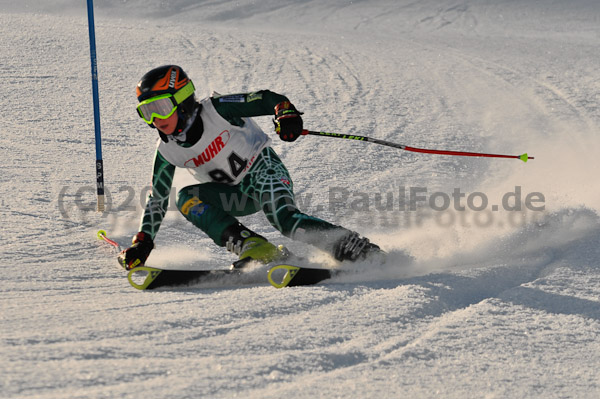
352 247
250 246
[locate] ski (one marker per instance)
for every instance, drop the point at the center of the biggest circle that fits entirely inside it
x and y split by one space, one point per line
149 278
279 275
282 275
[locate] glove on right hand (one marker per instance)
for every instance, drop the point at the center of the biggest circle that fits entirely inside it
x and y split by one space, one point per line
137 254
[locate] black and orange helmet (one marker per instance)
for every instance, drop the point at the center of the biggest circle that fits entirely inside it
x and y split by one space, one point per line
167 79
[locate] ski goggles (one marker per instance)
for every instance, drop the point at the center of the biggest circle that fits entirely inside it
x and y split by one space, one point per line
163 106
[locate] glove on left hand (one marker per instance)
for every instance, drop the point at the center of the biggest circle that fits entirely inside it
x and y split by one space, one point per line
288 122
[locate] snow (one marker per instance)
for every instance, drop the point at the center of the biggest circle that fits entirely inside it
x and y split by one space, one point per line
471 303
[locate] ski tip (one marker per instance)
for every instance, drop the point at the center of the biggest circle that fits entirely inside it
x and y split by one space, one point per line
290 272
101 234
145 275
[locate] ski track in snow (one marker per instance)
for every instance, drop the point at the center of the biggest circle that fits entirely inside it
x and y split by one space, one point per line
459 310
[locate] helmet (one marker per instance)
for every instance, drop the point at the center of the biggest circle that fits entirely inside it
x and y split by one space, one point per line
167 79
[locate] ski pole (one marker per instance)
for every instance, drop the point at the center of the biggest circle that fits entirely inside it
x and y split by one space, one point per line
523 157
102 236
96 101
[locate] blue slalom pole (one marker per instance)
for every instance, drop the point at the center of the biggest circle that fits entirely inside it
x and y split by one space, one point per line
99 163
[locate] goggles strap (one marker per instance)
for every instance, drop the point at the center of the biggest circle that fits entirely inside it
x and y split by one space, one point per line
184 93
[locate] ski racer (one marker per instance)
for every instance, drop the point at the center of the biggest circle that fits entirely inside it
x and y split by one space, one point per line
239 173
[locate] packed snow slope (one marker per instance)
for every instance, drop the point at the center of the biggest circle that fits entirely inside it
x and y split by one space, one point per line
492 287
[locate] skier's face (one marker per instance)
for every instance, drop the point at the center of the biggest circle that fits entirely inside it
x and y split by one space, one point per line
166 126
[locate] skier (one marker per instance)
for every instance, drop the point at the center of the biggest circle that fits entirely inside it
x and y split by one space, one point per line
240 174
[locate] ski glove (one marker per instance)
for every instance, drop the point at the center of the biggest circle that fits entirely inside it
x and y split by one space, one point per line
137 254
288 122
